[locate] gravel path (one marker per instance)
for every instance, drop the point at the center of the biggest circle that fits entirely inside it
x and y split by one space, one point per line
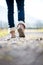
22 51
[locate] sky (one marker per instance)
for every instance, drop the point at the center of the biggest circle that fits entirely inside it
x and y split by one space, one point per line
33 9
3 10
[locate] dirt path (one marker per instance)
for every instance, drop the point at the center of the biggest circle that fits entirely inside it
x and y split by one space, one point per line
22 51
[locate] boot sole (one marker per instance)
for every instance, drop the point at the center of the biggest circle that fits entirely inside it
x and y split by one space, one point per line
21 33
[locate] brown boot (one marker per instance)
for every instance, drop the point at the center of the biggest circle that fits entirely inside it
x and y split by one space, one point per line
12 32
21 28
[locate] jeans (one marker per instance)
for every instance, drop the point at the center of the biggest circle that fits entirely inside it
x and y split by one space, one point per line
20 7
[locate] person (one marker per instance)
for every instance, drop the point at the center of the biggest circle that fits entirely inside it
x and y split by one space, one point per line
21 24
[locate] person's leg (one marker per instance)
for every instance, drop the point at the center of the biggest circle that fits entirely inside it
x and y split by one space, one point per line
20 6
10 4
21 17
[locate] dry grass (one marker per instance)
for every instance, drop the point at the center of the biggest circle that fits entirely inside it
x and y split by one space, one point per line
4 32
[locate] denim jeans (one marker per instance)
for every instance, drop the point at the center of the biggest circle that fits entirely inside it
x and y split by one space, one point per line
20 7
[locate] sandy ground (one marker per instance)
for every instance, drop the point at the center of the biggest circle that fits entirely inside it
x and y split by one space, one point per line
22 51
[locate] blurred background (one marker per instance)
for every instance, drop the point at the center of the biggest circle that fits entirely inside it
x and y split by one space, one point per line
33 13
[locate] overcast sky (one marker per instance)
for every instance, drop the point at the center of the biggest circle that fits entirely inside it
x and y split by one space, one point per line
33 8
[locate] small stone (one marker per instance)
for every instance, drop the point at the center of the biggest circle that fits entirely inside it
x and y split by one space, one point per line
41 39
0 46
37 39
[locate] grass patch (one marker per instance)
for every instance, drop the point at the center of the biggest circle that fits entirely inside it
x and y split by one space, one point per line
4 32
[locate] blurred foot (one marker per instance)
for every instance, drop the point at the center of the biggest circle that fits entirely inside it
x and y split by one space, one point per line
12 32
21 28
